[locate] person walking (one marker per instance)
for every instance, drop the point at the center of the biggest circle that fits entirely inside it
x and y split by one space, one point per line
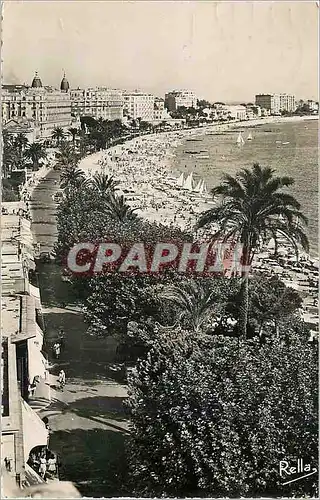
52 464
43 465
62 379
56 350
61 336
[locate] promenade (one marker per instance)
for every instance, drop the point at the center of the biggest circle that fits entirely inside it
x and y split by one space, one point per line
87 421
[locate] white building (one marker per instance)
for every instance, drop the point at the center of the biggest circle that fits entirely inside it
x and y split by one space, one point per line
287 102
236 112
313 105
160 113
47 107
138 105
178 98
97 102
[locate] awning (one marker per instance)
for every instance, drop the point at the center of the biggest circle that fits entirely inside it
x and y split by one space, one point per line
32 478
35 432
28 319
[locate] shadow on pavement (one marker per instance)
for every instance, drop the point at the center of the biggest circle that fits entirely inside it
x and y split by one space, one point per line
95 460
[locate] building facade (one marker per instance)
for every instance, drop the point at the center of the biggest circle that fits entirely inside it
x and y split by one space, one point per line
275 103
178 98
47 107
287 102
160 113
313 105
97 102
270 102
138 105
23 364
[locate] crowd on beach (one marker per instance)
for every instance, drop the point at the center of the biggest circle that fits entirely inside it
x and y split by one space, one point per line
142 168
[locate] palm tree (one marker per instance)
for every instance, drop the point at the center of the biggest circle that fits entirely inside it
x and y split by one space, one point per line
66 157
72 177
74 132
103 183
119 209
21 142
35 152
58 135
196 305
253 207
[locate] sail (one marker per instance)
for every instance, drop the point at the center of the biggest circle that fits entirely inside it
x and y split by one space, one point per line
180 181
240 139
189 182
198 186
201 187
249 137
204 188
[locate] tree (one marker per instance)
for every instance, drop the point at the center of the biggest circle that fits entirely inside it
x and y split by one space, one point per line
119 209
253 207
216 421
11 157
58 135
74 132
103 183
21 142
195 304
66 157
71 178
35 152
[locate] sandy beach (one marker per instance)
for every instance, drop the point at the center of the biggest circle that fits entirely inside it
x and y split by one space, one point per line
142 166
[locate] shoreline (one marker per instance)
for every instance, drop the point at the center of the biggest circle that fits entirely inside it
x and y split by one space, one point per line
147 178
143 168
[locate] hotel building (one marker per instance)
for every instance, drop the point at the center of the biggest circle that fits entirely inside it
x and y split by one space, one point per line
270 102
275 103
97 102
178 98
138 105
47 107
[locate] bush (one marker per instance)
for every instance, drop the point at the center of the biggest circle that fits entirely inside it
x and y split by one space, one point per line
216 420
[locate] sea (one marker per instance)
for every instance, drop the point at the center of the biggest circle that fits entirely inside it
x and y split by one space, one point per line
290 148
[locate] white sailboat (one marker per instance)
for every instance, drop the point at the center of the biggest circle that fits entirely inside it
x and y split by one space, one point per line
201 187
249 138
189 182
204 188
180 181
240 139
198 186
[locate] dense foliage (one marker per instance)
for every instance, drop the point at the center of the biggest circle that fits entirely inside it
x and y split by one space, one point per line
212 412
214 417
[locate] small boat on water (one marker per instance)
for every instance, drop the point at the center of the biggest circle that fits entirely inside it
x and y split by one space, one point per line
180 181
204 157
189 182
194 140
192 152
284 143
240 139
249 138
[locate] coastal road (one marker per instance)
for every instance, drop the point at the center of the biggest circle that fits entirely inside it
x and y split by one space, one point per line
89 425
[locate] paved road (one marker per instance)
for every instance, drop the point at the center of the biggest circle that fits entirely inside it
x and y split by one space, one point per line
88 420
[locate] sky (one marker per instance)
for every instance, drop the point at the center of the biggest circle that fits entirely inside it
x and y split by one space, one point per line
222 50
